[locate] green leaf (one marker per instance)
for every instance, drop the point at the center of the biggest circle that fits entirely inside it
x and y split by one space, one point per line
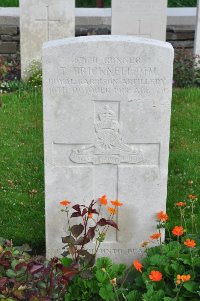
41 284
10 273
101 276
106 293
133 296
167 299
66 261
158 260
103 262
191 286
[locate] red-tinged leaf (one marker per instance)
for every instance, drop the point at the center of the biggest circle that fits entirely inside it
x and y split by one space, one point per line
6 254
3 281
69 272
77 230
82 240
89 260
76 214
20 265
104 222
84 212
91 233
77 208
72 250
112 224
64 281
95 211
35 268
5 263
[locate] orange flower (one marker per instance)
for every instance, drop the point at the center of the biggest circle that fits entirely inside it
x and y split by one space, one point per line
183 278
90 215
161 216
137 265
155 236
190 243
65 203
178 230
112 210
116 203
103 200
181 204
186 278
155 276
192 197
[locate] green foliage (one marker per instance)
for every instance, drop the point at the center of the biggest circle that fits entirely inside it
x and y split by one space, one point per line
21 172
26 278
186 69
9 74
34 74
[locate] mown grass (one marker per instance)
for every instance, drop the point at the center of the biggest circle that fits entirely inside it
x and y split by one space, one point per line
92 3
184 163
21 169
21 162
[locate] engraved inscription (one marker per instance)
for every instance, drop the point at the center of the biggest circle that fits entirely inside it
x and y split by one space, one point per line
109 147
132 76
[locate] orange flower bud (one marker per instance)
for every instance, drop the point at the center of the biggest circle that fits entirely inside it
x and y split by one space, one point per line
138 265
155 236
65 203
181 204
112 210
116 203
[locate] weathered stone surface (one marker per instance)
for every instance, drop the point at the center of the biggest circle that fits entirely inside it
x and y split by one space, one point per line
10 38
7 47
107 104
9 30
144 18
43 20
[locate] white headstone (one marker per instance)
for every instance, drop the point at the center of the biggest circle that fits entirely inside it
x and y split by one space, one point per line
197 32
142 18
42 21
107 105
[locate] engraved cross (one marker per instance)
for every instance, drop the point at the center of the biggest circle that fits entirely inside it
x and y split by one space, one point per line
48 22
140 33
108 155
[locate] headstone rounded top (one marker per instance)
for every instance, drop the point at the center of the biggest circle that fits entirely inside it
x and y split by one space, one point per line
107 38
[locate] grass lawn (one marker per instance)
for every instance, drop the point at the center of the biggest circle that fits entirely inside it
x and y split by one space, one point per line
92 3
21 172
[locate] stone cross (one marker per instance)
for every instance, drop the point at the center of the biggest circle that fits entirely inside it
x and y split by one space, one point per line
139 32
40 21
129 15
47 20
109 153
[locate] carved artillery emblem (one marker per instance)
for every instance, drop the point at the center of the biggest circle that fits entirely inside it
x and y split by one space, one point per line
109 147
